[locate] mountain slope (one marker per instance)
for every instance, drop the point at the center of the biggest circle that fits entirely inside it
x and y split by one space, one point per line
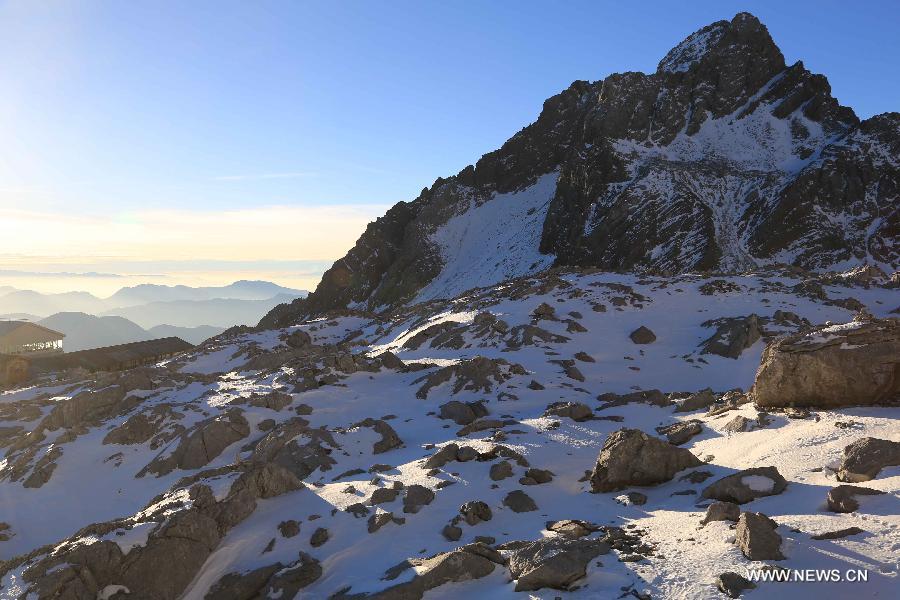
723 159
306 463
239 290
217 312
85 331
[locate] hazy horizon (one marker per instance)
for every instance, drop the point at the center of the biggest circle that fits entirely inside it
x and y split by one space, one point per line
151 140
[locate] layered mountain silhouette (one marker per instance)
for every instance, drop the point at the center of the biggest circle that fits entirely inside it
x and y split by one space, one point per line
724 159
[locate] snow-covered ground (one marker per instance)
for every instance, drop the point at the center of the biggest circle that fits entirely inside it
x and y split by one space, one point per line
95 482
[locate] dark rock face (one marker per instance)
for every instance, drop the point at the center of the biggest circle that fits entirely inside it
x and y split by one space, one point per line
642 335
747 485
724 158
518 501
842 365
631 457
864 459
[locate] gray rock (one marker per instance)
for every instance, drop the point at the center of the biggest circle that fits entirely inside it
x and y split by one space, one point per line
756 537
475 512
576 411
746 485
733 584
472 561
518 501
732 336
416 497
721 511
842 499
642 335
383 496
830 367
501 470
462 413
631 457
700 400
864 459
679 433
555 562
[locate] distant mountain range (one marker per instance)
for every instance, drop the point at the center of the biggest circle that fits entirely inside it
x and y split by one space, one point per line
149 306
84 331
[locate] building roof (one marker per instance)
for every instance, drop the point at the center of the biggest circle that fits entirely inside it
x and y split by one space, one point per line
111 358
25 332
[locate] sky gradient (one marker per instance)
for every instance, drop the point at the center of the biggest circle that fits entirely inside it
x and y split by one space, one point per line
193 142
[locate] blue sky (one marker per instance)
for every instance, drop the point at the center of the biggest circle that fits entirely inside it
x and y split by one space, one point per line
112 110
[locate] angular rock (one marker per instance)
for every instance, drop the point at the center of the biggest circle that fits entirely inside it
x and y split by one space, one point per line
864 459
721 511
679 433
555 562
462 413
475 512
842 499
733 584
576 411
631 457
838 365
746 485
756 537
642 335
518 501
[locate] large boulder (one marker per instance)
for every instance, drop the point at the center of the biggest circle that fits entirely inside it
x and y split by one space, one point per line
746 485
556 562
864 459
632 457
857 363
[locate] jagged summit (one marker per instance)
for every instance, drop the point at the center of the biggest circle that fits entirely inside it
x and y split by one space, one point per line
723 159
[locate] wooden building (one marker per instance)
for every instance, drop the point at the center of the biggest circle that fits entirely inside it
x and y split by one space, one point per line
29 339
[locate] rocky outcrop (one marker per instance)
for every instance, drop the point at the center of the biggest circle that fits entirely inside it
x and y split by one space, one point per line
838 365
864 459
631 457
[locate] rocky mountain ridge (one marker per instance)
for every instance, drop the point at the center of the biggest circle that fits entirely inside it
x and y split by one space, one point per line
724 159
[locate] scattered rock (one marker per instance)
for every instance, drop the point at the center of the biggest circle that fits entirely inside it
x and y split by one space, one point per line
289 528
475 512
556 562
576 411
518 501
702 399
501 470
319 537
732 336
842 499
631 457
721 511
462 413
679 433
642 335
733 585
747 485
840 533
416 497
756 537
864 459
